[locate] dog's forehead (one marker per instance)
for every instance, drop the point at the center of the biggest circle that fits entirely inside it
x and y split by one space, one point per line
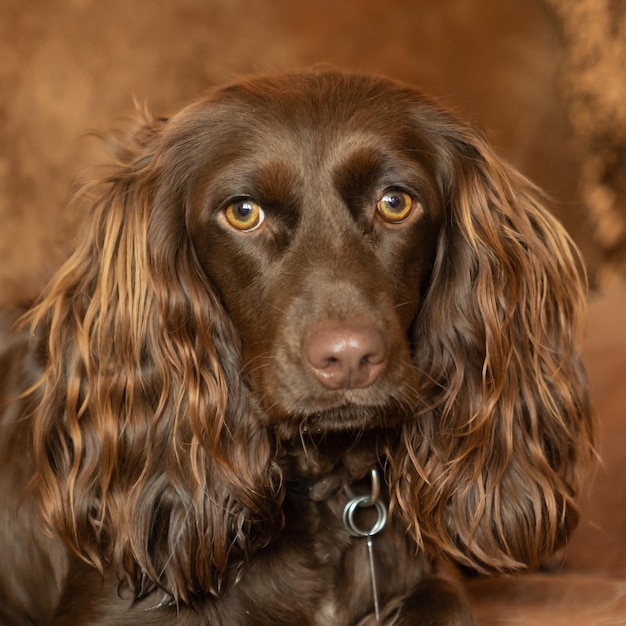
308 124
320 95
311 123
316 107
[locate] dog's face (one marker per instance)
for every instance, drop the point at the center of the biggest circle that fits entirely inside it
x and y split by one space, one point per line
315 214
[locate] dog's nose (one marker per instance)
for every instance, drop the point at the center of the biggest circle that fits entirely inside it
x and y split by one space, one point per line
346 356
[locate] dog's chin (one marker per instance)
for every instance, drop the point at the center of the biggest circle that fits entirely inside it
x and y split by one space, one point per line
343 418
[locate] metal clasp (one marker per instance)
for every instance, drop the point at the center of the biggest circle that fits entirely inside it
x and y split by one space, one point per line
352 527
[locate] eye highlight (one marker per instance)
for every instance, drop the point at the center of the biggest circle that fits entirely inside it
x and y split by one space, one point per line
395 206
244 215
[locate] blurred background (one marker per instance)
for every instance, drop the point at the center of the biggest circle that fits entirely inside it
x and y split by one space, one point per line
545 79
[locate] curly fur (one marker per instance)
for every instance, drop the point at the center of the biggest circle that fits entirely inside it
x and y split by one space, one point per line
163 427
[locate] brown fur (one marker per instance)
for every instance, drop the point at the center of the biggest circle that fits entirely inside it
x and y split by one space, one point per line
172 403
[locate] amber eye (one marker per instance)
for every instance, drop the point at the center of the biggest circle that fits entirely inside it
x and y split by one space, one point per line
245 215
395 206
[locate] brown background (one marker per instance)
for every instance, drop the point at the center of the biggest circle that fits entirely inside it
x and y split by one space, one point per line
544 78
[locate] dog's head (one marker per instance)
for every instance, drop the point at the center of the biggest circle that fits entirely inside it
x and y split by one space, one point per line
314 204
320 251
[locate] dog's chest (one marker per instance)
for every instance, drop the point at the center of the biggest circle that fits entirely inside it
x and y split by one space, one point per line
334 585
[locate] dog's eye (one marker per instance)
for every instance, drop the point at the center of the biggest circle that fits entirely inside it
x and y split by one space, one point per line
244 215
395 206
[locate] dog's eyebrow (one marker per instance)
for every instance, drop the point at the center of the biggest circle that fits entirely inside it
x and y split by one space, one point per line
357 173
272 180
278 182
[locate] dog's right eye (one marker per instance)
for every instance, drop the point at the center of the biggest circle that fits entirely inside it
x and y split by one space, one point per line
244 215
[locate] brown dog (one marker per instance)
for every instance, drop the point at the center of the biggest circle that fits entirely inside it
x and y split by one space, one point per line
316 336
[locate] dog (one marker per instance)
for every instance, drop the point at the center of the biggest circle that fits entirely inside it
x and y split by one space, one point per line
316 341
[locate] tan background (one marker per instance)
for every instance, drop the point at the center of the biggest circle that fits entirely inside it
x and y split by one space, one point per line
544 78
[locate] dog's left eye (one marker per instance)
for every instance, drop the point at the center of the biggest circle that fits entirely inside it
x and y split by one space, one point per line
245 215
395 206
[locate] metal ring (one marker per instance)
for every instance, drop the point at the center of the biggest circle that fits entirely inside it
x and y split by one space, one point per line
364 501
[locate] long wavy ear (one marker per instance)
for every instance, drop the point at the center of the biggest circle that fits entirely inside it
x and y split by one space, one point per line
488 470
147 453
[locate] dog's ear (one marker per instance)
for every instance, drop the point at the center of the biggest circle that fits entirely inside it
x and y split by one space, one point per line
147 453
488 470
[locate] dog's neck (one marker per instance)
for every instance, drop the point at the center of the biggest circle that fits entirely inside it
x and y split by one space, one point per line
321 465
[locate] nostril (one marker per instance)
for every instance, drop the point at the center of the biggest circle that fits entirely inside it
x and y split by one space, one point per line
346 356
